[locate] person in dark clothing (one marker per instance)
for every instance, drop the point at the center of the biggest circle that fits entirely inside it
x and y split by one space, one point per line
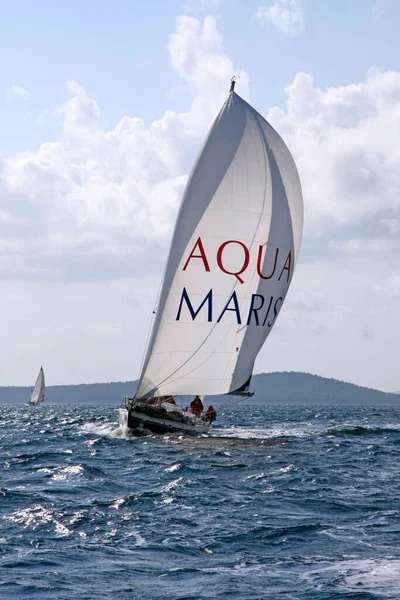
211 413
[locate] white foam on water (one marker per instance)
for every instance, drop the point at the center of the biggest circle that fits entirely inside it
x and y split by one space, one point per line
369 575
239 570
171 485
32 517
374 575
105 430
118 502
173 468
262 433
77 516
37 515
257 476
268 490
298 432
244 433
140 540
64 473
113 532
286 469
61 530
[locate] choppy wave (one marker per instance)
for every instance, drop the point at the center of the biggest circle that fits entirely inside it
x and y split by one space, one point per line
373 578
276 502
363 430
104 430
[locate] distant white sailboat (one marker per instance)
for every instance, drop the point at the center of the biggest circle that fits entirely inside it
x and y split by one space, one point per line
230 264
37 395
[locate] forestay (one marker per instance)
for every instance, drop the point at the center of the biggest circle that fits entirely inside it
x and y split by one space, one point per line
231 261
37 394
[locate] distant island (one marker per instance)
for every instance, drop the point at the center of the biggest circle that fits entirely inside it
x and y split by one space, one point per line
268 388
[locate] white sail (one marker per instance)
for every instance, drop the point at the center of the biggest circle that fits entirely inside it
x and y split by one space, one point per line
231 260
37 394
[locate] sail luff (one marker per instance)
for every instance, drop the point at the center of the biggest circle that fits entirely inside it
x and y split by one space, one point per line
180 239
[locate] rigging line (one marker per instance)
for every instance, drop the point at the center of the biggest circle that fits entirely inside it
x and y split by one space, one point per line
228 403
151 324
202 363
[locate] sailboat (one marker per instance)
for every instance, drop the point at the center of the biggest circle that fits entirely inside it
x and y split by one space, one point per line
37 395
231 261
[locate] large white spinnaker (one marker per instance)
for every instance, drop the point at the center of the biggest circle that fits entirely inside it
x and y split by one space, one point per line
37 394
231 261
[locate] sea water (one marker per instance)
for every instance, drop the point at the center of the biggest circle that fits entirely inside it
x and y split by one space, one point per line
277 503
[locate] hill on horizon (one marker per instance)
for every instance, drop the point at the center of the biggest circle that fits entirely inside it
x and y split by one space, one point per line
269 388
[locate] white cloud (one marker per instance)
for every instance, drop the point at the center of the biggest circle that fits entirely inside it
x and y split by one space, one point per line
285 15
197 55
393 225
345 143
91 203
18 92
380 8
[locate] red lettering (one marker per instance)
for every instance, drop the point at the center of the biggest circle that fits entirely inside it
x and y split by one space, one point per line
286 268
202 255
259 259
245 262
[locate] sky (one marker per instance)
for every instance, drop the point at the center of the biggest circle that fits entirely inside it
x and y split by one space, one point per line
103 109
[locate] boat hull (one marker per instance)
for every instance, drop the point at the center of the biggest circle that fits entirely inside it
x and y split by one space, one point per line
138 421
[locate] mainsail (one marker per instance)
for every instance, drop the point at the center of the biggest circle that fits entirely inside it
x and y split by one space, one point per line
231 261
37 394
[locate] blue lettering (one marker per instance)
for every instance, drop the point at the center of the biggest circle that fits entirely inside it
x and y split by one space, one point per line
253 309
234 309
276 310
269 306
193 312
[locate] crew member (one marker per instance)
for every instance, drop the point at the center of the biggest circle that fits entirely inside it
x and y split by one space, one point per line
211 413
196 406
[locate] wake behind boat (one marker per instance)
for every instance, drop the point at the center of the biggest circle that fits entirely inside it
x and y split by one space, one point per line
37 395
231 261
